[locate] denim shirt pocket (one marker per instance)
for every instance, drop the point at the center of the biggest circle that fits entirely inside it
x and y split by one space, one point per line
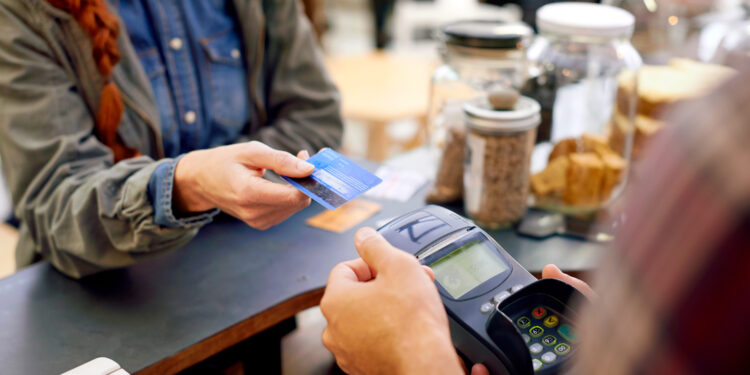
229 102
156 73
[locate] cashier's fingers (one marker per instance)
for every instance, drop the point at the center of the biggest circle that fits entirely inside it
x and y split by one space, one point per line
354 270
430 273
259 155
551 271
379 254
479 369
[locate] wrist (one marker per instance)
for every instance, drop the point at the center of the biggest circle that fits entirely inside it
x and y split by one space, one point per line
187 196
431 353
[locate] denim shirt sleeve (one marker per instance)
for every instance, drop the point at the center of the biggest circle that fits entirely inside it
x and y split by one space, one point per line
160 193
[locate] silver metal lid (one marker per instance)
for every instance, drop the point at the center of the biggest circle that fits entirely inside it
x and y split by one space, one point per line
524 116
487 34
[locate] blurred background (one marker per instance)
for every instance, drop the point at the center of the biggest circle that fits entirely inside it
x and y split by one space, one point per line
382 53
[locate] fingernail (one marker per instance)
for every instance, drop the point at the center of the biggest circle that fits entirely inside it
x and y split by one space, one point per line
304 166
305 154
366 233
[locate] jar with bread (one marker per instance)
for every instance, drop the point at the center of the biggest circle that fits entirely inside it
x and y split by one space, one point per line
479 58
581 51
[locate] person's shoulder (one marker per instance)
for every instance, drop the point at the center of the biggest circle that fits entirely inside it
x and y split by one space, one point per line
27 18
31 10
20 6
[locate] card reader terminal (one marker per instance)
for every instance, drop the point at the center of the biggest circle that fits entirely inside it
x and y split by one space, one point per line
500 315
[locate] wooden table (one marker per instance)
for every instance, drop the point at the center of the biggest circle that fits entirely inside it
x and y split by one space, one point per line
229 283
379 89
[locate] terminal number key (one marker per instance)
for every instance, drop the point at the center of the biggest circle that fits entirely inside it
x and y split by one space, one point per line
539 312
551 321
536 331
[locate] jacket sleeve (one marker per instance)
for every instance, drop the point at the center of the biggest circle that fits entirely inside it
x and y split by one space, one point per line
302 102
77 209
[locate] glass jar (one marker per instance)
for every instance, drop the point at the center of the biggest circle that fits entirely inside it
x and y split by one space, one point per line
734 49
498 152
478 57
665 29
583 73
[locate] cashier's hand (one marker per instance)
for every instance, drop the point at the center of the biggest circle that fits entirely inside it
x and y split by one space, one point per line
551 271
385 315
231 178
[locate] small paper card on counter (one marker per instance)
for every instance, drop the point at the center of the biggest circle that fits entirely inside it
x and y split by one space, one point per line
335 181
345 217
398 184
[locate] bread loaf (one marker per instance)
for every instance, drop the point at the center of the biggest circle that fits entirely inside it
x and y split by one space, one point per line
614 171
661 85
551 181
584 179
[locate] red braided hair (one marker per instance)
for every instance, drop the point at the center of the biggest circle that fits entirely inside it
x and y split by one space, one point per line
103 29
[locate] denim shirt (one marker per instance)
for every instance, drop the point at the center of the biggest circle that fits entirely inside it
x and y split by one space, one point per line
192 54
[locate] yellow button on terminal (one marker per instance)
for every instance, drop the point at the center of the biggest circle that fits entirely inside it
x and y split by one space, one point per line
551 321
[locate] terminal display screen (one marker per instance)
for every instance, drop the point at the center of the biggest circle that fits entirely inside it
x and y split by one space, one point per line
467 267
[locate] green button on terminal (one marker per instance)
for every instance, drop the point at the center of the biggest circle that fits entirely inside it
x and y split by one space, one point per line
567 332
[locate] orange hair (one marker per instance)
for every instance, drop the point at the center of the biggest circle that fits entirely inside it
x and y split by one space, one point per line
103 29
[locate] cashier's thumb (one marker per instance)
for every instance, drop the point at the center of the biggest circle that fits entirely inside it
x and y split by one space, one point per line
377 252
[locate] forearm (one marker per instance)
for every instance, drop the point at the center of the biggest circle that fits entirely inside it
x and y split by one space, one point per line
95 220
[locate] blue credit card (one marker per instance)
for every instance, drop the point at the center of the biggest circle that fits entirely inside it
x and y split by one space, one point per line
335 181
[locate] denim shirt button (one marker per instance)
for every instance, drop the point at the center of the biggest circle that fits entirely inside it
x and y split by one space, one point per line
175 44
235 53
190 117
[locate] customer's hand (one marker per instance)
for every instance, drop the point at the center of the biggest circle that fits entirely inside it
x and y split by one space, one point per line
231 178
551 271
385 315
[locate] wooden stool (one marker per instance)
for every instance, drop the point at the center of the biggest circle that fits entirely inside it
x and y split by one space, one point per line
378 89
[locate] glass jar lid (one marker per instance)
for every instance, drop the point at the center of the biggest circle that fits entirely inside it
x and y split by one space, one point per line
486 34
524 116
585 19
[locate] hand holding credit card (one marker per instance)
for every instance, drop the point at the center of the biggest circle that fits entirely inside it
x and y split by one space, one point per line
335 181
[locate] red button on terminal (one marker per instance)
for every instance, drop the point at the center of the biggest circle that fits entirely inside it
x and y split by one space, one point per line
539 312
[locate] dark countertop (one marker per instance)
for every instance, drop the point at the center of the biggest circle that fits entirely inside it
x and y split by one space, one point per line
229 274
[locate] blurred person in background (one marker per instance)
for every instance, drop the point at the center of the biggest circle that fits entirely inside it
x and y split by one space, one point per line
382 11
671 295
126 125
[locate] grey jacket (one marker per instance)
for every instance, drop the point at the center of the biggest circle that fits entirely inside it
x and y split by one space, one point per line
77 208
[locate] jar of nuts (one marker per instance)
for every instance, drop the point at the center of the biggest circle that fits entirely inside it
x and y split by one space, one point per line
498 153
480 57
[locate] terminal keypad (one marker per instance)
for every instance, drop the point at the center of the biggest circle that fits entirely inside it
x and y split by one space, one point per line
548 335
